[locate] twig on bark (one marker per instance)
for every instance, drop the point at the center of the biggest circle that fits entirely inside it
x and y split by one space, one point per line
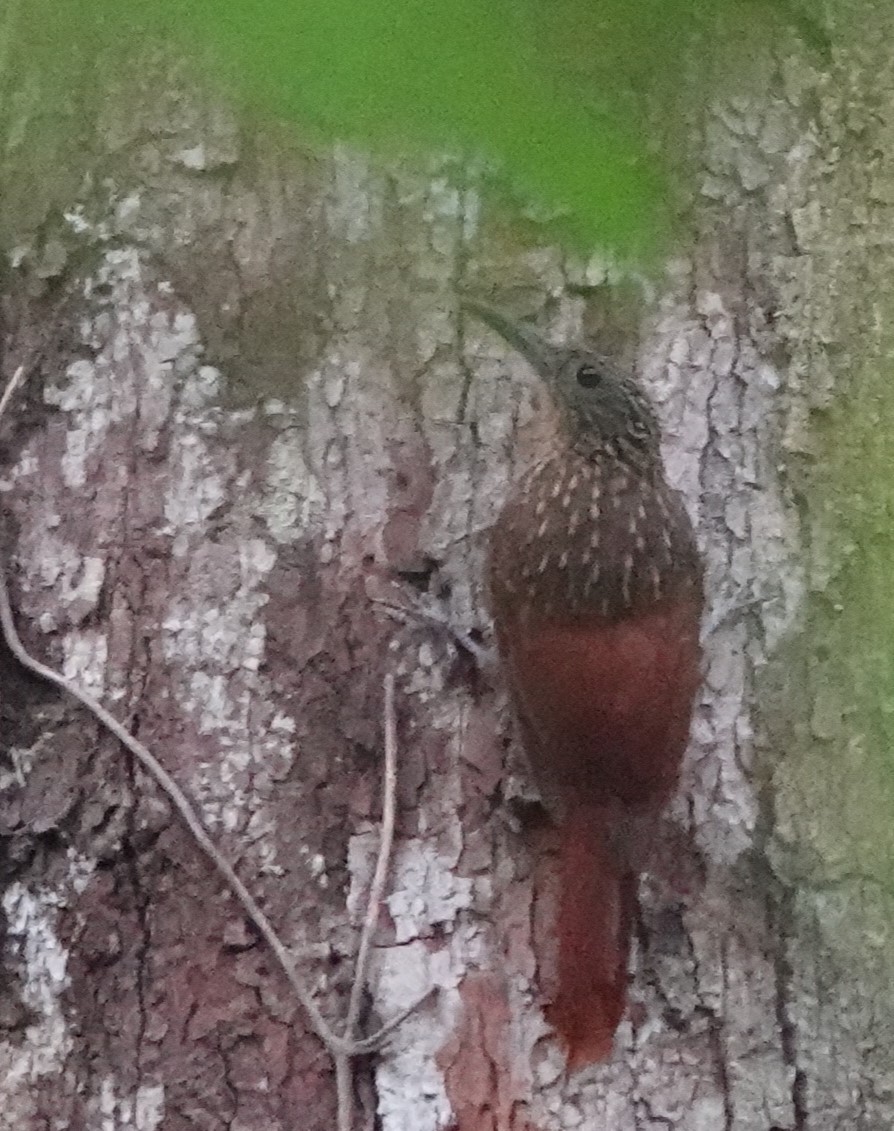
343 1073
343 1049
8 393
180 802
383 861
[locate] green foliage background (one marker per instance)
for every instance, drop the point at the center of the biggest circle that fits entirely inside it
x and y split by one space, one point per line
584 105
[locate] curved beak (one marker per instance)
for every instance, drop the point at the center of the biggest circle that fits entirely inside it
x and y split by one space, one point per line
539 354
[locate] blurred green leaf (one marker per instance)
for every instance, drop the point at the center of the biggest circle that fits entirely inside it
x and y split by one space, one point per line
468 75
578 102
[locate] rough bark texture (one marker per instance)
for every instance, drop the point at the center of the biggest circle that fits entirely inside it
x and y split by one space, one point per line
260 410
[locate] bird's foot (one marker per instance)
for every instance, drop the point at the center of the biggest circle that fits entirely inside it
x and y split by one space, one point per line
427 612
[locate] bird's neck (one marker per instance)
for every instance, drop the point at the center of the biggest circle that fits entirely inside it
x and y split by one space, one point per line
588 445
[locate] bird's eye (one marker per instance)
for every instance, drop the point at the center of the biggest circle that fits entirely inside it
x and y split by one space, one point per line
588 376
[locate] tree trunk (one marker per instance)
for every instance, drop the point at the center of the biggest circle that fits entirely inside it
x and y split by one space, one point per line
251 409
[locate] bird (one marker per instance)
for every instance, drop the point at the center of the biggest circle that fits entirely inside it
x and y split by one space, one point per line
596 592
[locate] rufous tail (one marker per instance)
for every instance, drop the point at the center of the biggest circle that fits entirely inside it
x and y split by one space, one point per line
597 903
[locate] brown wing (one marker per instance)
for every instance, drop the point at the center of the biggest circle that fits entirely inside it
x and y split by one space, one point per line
606 706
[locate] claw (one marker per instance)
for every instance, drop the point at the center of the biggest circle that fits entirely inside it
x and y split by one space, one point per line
483 656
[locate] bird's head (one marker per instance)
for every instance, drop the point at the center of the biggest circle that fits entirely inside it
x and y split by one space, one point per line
601 405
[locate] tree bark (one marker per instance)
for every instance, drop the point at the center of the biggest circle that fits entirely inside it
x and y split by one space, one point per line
255 409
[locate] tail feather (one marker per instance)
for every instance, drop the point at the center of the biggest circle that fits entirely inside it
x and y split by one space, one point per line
596 908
